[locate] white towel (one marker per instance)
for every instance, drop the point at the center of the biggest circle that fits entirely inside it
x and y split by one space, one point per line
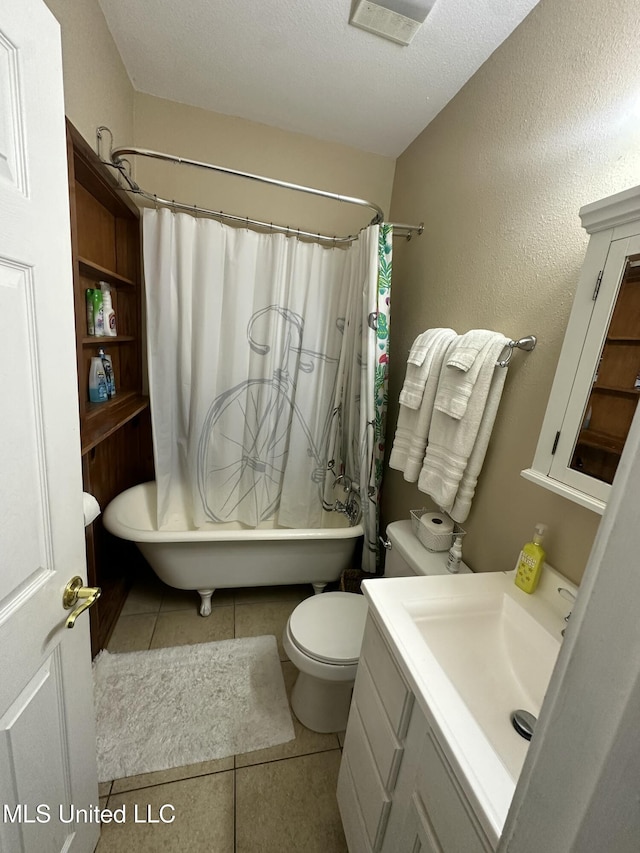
410 441
463 362
419 365
419 347
467 487
456 448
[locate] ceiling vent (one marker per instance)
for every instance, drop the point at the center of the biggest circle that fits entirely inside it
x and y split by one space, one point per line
396 20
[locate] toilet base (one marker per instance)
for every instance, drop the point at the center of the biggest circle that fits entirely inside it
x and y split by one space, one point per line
322 706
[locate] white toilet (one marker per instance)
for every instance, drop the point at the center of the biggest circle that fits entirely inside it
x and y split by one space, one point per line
323 638
406 555
324 634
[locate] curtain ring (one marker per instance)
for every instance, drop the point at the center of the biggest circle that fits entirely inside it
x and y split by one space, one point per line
155 198
271 227
298 233
246 223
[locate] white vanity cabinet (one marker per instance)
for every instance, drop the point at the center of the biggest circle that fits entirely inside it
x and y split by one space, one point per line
396 789
597 382
431 813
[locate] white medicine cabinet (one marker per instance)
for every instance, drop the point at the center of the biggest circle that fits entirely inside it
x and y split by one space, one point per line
597 383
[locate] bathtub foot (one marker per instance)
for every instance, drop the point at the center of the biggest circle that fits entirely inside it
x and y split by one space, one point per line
205 604
318 588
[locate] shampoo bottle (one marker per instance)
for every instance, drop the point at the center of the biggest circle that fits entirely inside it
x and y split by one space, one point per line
531 561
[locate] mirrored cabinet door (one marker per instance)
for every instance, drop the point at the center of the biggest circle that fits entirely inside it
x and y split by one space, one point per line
595 392
605 393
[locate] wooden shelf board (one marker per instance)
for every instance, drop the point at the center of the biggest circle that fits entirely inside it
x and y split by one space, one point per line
601 441
611 389
622 339
103 419
88 268
107 339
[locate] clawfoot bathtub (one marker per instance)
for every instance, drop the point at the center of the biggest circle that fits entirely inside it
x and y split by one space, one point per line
229 555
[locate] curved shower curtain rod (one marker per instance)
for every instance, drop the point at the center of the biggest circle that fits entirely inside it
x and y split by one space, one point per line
118 161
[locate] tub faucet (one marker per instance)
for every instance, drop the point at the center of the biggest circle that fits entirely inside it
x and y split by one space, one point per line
349 506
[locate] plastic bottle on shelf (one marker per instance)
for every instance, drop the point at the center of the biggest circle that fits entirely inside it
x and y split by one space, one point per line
108 373
98 313
454 557
91 329
109 313
97 382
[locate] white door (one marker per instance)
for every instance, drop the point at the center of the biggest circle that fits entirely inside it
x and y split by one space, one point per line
47 737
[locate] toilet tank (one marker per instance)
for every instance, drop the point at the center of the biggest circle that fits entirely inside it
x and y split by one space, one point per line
408 556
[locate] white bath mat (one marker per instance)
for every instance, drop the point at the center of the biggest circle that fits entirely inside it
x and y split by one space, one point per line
170 707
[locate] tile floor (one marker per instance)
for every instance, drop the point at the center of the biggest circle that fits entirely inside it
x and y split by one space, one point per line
276 800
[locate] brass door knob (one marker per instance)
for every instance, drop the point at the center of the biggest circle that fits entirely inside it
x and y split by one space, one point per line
73 592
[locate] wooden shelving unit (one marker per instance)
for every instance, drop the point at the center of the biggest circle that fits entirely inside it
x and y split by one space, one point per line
115 435
98 273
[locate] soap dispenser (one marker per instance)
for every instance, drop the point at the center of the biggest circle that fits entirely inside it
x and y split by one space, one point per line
530 561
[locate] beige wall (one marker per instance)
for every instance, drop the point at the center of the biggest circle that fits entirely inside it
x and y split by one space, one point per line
233 142
97 89
549 123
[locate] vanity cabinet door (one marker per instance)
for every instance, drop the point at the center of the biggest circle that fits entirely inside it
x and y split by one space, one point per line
430 812
451 819
420 837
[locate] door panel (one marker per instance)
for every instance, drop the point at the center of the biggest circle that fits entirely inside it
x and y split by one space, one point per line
22 508
47 737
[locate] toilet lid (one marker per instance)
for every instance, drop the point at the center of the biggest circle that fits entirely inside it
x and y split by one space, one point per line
329 627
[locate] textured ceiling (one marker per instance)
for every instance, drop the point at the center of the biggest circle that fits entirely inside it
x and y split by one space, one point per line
299 66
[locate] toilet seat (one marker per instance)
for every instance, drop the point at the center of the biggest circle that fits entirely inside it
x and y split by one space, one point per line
329 628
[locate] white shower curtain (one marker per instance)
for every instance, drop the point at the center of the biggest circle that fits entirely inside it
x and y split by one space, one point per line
256 369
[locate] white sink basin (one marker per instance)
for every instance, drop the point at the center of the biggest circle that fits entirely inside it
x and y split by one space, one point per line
496 655
475 648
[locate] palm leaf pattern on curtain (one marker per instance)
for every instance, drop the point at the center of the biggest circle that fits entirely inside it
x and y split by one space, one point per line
381 394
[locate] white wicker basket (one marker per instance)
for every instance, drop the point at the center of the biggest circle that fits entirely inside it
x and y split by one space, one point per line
432 541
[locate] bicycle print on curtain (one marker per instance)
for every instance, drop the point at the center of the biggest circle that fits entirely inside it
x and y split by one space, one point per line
250 336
